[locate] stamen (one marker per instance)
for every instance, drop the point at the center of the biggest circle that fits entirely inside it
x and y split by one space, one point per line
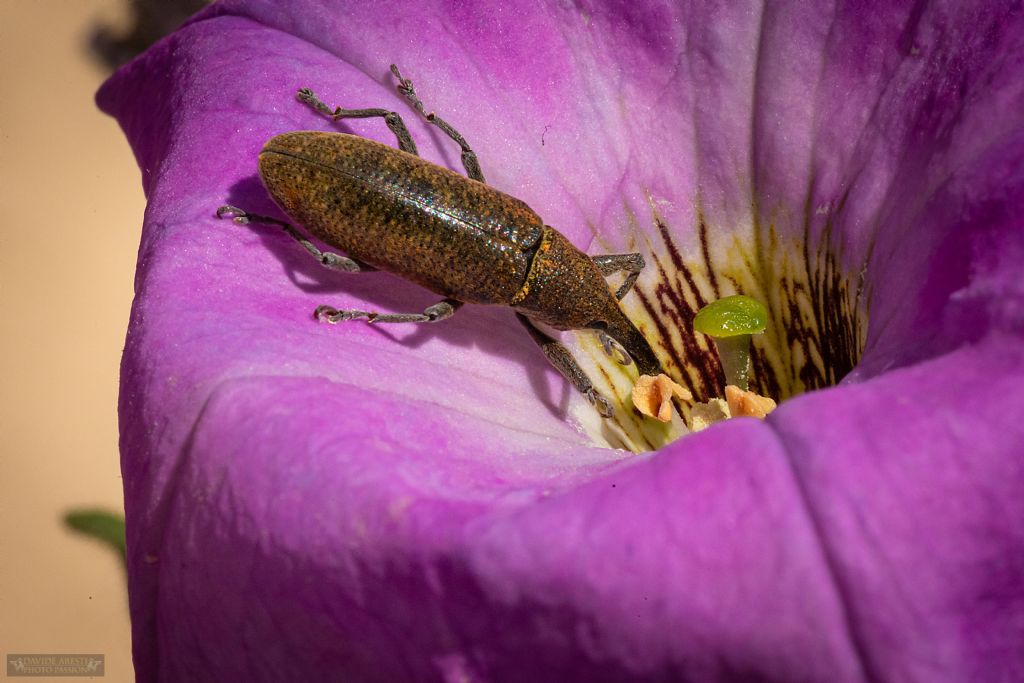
652 396
746 403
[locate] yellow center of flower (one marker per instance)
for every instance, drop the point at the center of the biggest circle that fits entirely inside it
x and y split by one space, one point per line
815 335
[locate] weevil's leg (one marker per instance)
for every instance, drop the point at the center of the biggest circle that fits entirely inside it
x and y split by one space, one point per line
614 349
442 310
469 160
563 361
613 263
327 258
394 121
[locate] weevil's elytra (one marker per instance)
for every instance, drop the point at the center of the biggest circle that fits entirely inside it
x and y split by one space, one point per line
389 209
457 237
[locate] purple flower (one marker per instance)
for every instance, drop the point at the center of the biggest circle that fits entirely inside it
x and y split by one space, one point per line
360 503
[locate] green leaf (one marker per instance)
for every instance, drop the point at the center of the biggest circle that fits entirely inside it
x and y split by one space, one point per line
104 526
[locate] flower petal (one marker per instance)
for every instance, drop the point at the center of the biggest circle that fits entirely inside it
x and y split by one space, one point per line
913 483
393 555
388 504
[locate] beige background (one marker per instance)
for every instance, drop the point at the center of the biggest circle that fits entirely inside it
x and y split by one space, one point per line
71 207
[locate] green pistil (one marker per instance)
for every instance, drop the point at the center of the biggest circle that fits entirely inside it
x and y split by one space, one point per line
730 322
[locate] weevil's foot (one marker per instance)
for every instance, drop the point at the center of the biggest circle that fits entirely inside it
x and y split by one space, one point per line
325 314
239 216
600 403
404 84
614 349
307 97
342 263
328 314
439 311
405 87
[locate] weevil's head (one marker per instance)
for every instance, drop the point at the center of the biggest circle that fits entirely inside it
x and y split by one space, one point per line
565 289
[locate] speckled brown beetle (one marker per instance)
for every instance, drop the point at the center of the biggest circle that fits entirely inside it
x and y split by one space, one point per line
388 209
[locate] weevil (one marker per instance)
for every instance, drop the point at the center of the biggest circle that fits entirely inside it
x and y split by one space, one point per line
388 209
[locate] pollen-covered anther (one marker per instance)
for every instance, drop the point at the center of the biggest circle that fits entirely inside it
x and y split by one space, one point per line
703 415
652 396
747 403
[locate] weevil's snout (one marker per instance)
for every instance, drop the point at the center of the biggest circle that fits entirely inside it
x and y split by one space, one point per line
625 335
